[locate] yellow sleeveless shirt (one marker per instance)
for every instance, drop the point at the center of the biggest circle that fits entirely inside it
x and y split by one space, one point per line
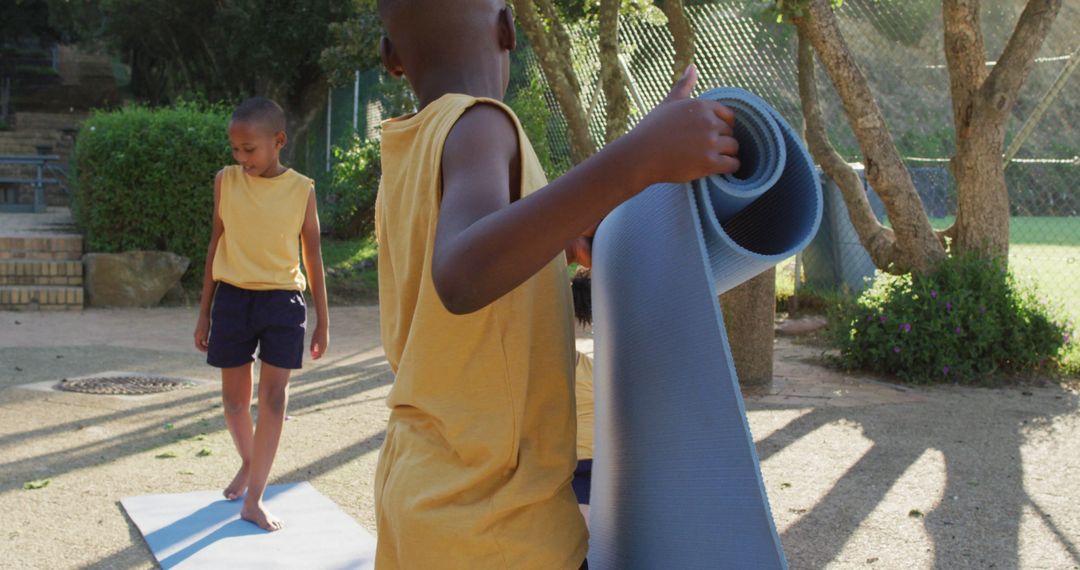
475 470
260 249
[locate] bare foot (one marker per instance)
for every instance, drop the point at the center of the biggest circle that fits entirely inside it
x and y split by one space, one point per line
258 515
239 484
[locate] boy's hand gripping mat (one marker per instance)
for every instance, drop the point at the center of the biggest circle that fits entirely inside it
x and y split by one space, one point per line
676 481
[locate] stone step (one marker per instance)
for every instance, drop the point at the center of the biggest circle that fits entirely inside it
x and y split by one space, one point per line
41 298
54 121
42 247
32 132
38 272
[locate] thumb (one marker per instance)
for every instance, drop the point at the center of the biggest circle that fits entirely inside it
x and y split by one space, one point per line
685 85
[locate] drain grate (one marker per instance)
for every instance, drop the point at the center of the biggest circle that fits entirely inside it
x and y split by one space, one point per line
124 385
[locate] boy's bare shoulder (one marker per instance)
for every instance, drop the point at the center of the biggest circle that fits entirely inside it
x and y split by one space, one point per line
221 173
483 127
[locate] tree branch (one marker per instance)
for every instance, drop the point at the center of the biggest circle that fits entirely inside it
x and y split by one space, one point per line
682 35
918 249
611 74
878 240
965 57
999 91
554 59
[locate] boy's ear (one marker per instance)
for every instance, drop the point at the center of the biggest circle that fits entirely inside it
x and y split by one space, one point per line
507 31
280 139
390 59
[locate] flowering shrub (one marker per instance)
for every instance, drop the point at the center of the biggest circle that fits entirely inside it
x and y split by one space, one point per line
967 320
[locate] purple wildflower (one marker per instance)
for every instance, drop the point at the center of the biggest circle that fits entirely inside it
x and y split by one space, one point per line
883 318
945 370
948 306
933 293
896 349
906 327
957 330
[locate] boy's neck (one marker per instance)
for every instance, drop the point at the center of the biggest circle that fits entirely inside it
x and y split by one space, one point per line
477 82
274 171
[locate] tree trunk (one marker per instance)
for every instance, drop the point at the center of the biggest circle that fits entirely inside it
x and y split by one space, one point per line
301 110
749 312
611 73
982 102
682 34
982 222
916 248
878 240
556 61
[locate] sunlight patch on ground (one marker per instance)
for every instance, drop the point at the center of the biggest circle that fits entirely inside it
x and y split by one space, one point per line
824 455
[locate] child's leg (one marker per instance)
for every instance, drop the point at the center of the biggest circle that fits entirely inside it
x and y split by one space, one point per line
236 401
273 399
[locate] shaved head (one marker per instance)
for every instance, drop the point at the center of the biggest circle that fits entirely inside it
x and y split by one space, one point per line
443 46
262 112
439 24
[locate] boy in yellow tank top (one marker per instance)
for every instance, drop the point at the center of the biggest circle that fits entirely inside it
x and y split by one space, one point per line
252 298
474 302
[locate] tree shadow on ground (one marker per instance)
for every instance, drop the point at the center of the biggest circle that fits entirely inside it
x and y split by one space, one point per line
979 433
194 413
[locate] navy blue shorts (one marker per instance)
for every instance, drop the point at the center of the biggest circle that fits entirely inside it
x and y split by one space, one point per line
582 480
245 324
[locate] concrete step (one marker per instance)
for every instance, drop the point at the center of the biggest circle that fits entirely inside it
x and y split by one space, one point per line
39 272
42 247
53 121
41 298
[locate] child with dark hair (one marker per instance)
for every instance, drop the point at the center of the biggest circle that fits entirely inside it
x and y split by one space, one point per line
265 220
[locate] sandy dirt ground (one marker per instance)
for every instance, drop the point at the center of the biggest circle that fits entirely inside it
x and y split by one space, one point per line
860 473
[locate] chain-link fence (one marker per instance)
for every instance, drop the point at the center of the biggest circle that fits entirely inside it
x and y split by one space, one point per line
898 45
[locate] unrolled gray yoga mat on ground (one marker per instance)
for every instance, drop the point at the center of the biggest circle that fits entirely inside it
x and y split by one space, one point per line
676 481
203 530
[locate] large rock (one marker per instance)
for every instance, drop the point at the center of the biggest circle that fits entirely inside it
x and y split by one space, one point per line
131 279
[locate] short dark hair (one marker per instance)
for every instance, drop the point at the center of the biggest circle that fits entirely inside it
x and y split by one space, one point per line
581 286
263 111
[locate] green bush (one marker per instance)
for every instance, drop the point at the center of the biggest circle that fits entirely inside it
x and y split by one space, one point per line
144 179
531 109
354 183
962 323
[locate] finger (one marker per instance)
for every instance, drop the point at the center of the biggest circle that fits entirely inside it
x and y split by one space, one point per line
724 129
726 164
728 146
723 112
685 85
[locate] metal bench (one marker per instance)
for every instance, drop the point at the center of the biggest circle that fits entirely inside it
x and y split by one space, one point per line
40 163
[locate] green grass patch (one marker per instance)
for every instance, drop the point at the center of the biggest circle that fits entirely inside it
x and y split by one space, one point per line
1044 252
351 274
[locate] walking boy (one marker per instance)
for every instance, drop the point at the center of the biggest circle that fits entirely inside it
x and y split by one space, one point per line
476 467
252 298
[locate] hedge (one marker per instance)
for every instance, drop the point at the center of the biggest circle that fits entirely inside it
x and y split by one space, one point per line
144 177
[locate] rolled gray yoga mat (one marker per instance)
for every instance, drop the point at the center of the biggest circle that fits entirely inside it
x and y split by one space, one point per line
676 481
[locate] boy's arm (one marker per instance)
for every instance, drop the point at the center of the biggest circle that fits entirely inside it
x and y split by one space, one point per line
485 246
202 327
313 266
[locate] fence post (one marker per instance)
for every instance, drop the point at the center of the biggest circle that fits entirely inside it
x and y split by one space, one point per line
356 102
329 122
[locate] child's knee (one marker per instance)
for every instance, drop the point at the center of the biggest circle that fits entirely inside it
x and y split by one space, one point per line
234 406
274 399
